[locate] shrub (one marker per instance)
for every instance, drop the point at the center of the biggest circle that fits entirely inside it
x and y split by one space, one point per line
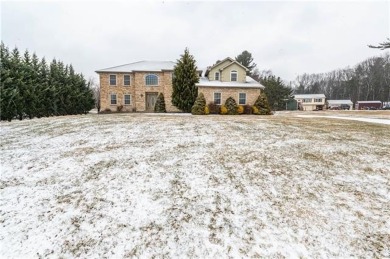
240 109
199 106
247 109
255 110
224 110
231 106
214 108
262 105
119 108
206 110
160 104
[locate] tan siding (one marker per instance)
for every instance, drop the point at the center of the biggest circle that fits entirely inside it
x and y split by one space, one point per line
217 68
225 77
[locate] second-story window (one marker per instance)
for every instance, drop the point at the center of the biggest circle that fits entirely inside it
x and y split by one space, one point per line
318 100
126 80
216 75
233 76
151 79
112 79
307 100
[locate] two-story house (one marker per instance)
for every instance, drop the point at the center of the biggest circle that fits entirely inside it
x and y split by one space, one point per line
135 86
310 102
228 78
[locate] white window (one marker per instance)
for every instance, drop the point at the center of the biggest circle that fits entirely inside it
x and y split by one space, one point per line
151 79
216 75
127 99
318 100
307 100
233 76
112 79
113 99
217 98
126 79
242 98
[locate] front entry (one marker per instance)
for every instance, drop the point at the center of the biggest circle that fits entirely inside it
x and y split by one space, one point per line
150 101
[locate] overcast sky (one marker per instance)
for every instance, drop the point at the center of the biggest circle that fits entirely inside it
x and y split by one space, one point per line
289 38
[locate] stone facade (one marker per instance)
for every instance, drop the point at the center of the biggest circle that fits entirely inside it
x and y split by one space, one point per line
137 90
251 94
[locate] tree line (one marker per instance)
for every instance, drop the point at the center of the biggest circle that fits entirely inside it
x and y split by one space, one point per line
369 80
29 87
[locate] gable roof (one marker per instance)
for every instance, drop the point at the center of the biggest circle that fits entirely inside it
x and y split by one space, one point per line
369 102
303 96
232 61
149 66
249 83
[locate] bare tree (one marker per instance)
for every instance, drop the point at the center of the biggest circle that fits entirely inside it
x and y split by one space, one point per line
95 87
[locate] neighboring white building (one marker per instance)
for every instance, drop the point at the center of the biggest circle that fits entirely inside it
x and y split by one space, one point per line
340 104
310 102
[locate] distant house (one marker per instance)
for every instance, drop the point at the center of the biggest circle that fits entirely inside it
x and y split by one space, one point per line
227 78
310 102
135 86
368 105
340 104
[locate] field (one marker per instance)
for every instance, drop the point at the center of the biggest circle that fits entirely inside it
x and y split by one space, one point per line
175 185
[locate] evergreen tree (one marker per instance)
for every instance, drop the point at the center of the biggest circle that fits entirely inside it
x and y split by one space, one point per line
160 104
245 58
262 104
231 106
382 46
29 88
277 93
199 106
184 78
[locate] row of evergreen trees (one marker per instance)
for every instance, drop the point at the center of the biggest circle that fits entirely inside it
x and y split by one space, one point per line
32 88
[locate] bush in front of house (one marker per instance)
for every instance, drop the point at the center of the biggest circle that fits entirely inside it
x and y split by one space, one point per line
214 108
223 110
206 110
231 106
160 104
240 109
262 105
199 106
248 109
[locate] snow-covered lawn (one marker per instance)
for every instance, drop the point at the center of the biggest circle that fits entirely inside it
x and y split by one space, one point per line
181 186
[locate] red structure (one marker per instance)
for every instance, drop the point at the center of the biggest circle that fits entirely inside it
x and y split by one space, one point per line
368 105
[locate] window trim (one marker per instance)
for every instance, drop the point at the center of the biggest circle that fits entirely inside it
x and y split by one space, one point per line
220 98
233 72
158 79
109 79
129 80
116 99
215 76
239 99
124 99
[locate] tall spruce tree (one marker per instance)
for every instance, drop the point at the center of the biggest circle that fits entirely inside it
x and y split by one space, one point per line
184 78
245 58
29 88
276 92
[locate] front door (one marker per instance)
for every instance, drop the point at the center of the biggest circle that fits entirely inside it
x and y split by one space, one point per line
150 101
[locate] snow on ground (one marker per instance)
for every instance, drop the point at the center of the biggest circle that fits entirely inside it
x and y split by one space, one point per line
372 120
194 186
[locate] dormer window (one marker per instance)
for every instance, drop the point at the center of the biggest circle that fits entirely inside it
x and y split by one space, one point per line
216 75
233 76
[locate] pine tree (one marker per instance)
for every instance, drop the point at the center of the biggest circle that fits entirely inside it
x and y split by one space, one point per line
184 78
245 58
199 106
160 104
231 106
277 93
262 105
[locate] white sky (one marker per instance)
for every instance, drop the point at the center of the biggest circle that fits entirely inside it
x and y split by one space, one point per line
289 38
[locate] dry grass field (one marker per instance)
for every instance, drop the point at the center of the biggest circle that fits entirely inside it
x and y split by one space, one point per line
173 185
